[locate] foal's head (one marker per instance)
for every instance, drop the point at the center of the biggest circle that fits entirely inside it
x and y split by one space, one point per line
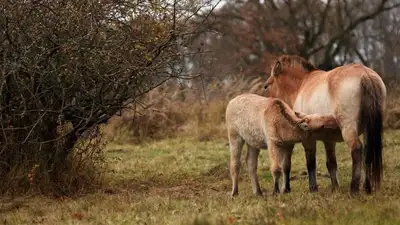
315 122
286 76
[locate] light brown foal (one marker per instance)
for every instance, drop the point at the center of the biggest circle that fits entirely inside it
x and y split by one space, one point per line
260 122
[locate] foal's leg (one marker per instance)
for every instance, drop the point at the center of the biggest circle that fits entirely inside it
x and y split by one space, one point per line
275 166
286 153
350 136
252 161
310 147
331 163
236 145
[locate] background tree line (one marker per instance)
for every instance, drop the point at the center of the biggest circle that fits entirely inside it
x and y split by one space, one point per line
246 35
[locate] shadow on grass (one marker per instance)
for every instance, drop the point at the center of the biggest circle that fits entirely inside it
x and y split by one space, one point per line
216 179
10 204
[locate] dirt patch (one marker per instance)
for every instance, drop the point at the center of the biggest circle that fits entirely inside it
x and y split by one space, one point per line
118 150
189 189
304 176
130 185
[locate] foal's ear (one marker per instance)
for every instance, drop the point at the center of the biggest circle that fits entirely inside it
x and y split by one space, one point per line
304 126
276 69
300 114
331 122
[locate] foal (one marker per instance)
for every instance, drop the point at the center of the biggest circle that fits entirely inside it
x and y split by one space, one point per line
262 122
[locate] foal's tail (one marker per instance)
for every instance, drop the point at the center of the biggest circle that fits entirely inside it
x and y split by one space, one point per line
372 100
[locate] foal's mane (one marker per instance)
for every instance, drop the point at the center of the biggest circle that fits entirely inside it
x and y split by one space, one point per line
294 61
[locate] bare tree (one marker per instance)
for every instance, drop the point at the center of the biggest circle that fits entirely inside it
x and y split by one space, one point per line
327 32
380 45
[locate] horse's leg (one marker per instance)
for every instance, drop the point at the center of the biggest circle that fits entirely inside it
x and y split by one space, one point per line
275 166
286 166
252 161
235 144
350 136
331 163
367 182
310 147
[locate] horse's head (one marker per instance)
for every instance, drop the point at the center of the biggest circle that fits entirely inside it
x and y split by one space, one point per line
315 122
272 85
286 76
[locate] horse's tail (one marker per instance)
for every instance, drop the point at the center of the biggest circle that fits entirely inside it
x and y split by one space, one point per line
371 113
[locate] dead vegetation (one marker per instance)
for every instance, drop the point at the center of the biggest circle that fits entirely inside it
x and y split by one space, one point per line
173 109
392 114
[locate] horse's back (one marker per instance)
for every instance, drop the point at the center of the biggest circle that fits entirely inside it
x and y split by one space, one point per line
244 117
337 92
346 85
314 95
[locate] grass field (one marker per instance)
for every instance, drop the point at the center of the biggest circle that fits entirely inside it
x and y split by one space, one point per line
183 181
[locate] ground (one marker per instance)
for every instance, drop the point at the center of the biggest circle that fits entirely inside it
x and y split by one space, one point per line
184 181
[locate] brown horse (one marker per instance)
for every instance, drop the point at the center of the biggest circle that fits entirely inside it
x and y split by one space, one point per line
354 94
260 122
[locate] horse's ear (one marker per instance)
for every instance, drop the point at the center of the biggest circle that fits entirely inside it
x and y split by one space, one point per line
276 69
304 126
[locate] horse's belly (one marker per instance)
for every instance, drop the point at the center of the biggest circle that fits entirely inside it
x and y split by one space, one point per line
318 101
328 134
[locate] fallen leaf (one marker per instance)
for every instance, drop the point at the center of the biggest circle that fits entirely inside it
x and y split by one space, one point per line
77 215
231 220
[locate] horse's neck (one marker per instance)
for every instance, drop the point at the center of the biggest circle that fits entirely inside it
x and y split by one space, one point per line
293 91
313 96
293 85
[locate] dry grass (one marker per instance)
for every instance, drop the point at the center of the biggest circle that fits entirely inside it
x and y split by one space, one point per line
392 117
173 110
181 176
184 181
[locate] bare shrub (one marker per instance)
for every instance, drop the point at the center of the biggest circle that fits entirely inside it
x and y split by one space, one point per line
43 168
74 64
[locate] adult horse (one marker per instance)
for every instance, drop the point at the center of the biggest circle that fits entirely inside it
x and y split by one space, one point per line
354 94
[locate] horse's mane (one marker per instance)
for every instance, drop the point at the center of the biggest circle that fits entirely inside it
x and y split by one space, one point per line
294 61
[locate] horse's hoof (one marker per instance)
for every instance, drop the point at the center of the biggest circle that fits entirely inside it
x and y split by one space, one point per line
354 188
354 191
313 189
368 188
